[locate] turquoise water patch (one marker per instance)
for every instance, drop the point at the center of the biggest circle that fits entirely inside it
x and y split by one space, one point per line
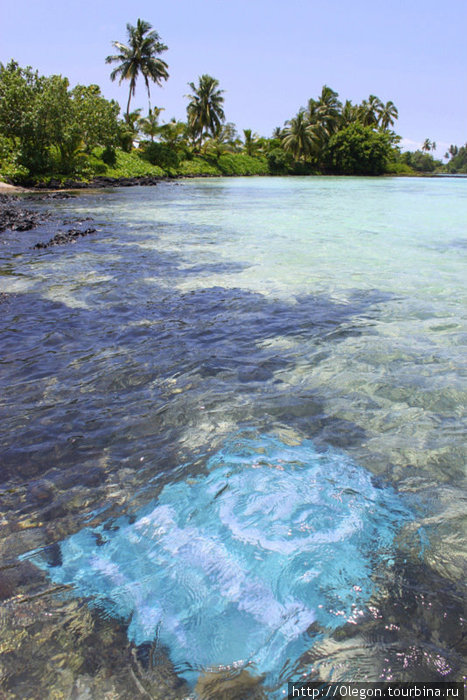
232 567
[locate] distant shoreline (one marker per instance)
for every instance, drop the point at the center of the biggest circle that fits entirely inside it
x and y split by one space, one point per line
151 181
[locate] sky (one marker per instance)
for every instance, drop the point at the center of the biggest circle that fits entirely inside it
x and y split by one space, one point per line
269 56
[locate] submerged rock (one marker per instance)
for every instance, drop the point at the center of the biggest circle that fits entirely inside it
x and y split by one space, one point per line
231 568
15 218
69 236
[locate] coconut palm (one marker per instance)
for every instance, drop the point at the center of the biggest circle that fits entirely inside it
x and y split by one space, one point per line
388 114
312 110
369 110
173 133
426 145
299 137
139 56
349 114
226 140
205 109
251 142
326 110
150 125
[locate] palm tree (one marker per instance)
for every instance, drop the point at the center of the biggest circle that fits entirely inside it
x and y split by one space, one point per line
326 110
370 110
312 110
433 146
139 56
173 133
349 113
388 114
150 125
426 145
205 109
129 128
251 142
299 137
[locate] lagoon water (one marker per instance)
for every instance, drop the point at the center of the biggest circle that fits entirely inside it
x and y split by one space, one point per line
240 361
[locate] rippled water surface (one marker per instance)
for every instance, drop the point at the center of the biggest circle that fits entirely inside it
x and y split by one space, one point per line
233 439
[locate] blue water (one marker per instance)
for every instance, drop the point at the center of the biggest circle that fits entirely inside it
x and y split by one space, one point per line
230 569
206 326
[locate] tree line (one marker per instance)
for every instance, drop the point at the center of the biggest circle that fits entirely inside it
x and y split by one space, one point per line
46 127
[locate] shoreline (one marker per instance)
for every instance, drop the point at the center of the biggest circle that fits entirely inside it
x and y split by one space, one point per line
6 188
152 181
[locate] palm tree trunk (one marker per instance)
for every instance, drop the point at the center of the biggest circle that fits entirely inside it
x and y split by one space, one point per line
128 106
149 95
132 92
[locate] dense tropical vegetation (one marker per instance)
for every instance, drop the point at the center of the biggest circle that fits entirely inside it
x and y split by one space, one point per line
49 130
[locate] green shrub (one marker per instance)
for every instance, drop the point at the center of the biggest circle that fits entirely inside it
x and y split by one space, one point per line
242 164
109 156
197 166
358 150
160 154
132 165
399 168
279 162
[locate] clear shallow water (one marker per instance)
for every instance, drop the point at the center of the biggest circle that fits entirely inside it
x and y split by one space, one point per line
230 570
330 309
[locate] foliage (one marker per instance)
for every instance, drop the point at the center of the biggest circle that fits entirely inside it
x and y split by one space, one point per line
205 109
458 162
174 134
50 127
10 169
299 137
132 165
96 116
197 166
128 130
150 125
47 129
420 162
252 143
358 150
398 167
242 164
280 162
139 56
109 156
160 154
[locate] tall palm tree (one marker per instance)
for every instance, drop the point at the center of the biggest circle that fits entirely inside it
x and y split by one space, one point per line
205 109
139 56
388 114
299 137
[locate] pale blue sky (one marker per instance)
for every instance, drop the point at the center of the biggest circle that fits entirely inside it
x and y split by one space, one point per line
269 56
